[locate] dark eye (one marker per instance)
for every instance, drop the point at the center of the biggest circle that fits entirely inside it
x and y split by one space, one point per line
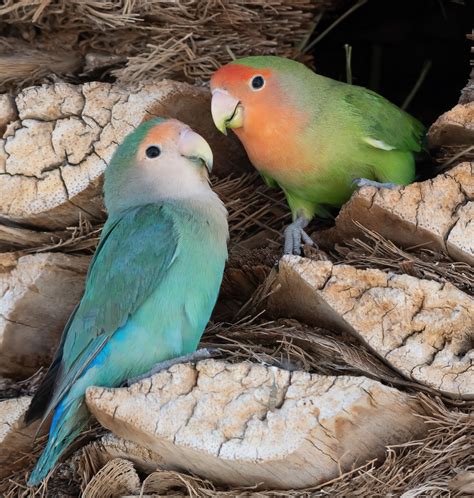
153 151
258 82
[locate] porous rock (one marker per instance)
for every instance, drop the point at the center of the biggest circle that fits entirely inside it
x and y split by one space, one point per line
8 111
37 294
437 214
15 439
422 328
247 424
455 127
53 154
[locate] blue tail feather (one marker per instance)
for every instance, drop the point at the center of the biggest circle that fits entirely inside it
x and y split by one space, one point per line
70 417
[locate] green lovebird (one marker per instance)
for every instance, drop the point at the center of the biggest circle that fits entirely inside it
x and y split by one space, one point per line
152 284
314 137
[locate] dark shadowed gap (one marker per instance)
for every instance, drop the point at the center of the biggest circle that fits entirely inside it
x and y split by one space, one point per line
392 40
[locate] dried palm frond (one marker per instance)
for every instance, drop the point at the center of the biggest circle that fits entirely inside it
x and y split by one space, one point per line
150 39
375 251
116 478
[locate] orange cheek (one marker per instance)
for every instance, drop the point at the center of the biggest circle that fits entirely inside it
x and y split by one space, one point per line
271 136
272 129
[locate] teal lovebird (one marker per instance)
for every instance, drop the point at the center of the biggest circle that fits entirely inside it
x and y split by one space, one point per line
152 284
315 138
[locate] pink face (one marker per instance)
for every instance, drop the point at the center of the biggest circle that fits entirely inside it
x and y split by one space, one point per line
253 103
253 88
170 137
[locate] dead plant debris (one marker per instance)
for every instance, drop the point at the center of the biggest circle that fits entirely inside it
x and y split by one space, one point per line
377 252
139 40
257 215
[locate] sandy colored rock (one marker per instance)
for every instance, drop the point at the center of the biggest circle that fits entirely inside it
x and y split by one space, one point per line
422 328
7 111
53 156
437 213
244 423
15 439
37 294
455 127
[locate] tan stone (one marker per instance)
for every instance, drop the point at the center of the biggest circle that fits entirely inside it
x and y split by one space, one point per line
16 440
37 294
22 159
52 158
7 111
43 104
455 127
424 329
247 424
437 213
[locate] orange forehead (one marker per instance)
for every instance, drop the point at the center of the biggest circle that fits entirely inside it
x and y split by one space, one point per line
163 132
232 74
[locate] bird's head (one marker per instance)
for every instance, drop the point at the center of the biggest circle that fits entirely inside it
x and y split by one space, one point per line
247 91
161 159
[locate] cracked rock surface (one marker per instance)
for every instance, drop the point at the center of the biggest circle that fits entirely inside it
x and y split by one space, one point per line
37 294
422 328
59 139
15 439
455 127
245 424
7 111
437 212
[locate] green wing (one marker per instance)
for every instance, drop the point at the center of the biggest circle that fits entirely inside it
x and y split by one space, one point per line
134 254
385 125
268 180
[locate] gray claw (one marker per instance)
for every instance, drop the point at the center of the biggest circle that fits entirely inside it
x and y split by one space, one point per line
294 234
364 182
307 239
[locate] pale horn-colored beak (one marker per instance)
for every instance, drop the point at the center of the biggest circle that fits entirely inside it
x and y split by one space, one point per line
226 111
194 147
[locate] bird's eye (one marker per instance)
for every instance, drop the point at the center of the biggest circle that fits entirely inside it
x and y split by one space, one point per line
257 82
153 151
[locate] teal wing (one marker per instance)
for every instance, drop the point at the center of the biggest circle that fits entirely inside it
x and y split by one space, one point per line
134 254
385 126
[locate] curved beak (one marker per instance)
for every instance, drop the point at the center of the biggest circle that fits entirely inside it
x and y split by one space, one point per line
194 147
226 111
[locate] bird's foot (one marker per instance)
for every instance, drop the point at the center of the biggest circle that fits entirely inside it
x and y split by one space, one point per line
200 354
364 182
295 235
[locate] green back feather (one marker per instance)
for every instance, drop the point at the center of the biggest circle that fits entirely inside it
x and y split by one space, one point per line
349 132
